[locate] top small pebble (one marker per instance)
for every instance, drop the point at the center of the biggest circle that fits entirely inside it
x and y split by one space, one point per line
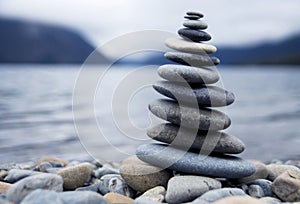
195 13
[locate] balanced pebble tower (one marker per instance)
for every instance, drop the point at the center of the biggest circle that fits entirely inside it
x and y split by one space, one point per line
191 141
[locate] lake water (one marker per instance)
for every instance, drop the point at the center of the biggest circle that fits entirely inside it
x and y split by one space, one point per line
36 117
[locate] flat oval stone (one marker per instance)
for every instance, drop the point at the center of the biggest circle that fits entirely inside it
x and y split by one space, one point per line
178 73
197 118
219 142
195 24
194 35
192 59
192 17
189 46
217 194
187 188
195 13
207 96
223 166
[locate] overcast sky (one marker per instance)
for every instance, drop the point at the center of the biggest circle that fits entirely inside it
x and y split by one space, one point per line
230 21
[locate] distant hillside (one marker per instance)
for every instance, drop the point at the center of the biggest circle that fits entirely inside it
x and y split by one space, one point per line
284 52
28 42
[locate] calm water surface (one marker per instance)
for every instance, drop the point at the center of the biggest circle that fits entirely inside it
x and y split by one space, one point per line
36 116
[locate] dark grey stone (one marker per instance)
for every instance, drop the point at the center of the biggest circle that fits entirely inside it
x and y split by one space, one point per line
217 142
103 171
181 73
116 184
266 186
222 166
15 175
192 17
192 59
187 188
195 24
206 96
256 191
194 35
195 13
40 181
217 194
190 117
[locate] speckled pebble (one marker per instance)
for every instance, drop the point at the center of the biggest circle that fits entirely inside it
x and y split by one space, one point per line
260 173
217 194
256 191
116 184
274 170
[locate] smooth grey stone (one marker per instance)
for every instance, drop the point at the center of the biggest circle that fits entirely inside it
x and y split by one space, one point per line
94 187
157 194
187 188
4 200
271 200
207 96
195 24
181 73
260 173
192 17
116 184
145 200
190 117
266 186
41 196
195 13
293 163
256 191
82 197
217 194
40 181
223 166
218 142
42 167
103 171
189 46
192 59
194 35
15 175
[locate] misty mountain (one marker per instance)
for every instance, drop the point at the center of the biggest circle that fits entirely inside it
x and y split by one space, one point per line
31 42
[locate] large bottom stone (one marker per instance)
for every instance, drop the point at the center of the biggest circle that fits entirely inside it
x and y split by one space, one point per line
189 162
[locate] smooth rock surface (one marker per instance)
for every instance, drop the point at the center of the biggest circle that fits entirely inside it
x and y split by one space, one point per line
103 171
206 96
239 200
195 13
275 170
40 181
195 24
287 186
182 73
256 191
187 188
260 173
142 176
4 187
193 163
115 198
41 196
15 175
189 46
217 194
4 201
52 159
157 194
145 201
218 142
194 35
197 118
265 185
116 184
75 176
192 59
192 17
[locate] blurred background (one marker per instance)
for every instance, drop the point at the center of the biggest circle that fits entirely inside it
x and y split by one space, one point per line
44 43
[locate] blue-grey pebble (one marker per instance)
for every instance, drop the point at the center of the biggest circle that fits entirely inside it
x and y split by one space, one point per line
42 167
4 201
187 188
265 184
94 187
195 24
116 184
217 194
194 35
190 117
20 189
183 73
206 95
217 142
195 13
145 201
192 17
256 191
15 175
103 171
41 196
192 59
221 166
